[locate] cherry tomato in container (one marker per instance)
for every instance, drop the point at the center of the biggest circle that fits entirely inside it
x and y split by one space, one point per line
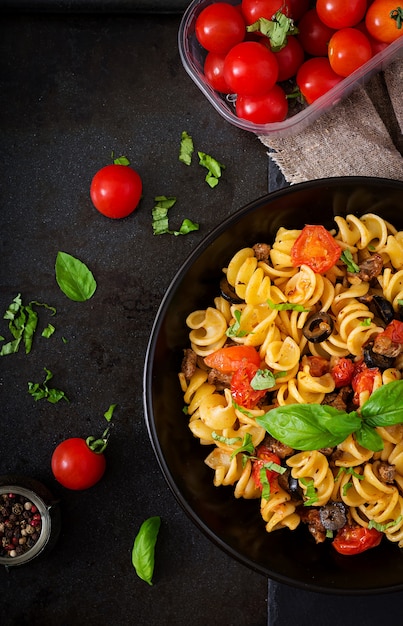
265 455
297 8
219 27
214 72
352 540
314 35
349 49
250 69
229 359
316 248
384 20
266 109
289 59
376 45
116 190
315 77
254 9
241 388
341 13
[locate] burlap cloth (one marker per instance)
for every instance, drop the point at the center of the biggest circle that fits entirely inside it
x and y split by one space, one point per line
361 136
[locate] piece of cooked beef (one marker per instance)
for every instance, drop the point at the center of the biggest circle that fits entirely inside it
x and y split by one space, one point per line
189 360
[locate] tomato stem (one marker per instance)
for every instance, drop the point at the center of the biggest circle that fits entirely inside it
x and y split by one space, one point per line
397 15
99 445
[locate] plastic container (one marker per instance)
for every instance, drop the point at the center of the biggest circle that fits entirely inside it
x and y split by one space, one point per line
192 56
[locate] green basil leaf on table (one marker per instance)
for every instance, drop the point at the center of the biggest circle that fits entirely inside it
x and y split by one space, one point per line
74 278
143 553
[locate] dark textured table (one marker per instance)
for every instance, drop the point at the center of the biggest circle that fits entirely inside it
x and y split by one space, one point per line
73 88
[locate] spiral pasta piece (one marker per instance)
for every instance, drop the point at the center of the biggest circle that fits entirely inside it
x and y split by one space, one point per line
208 332
311 468
279 512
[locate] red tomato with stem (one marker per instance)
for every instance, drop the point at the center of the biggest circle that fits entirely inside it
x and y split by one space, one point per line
384 20
316 248
265 455
266 109
289 59
342 371
352 540
214 72
315 77
75 465
341 13
219 27
349 49
250 69
229 359
314 35
116 190
241 388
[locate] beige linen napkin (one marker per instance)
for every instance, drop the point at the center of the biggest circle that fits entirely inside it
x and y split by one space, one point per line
361 136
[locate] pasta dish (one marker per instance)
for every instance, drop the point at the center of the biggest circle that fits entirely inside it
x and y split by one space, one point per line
293 378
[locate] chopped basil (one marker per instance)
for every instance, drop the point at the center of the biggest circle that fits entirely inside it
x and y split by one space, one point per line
265 483
186 148
74 278
160 218
22 324
286 306
229 441
39 392
310 493
235 329
382 527
366 322
48 331
213 166
276 29
247 446
347 258
265 379
122 160
109 413
143 552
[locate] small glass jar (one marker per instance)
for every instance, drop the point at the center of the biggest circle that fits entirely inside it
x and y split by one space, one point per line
28 494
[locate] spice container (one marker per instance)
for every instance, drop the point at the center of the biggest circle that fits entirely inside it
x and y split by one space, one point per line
29 520
192 56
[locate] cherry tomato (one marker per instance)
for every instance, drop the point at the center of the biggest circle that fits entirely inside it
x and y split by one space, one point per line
376 45
356 539
342 371
394 331
316 248
315 77
265 456
341 13
297 8
269 108
116 190
75 465
229 359
384 20
349 48
289 59
241 388
363 381
254 9
250 69
314 35
219 27
214 72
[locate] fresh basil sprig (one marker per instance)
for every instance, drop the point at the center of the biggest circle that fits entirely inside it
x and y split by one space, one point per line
143 553
74 278
316 426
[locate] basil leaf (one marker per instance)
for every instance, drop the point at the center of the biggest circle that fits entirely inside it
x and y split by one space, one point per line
143 553
30 328
186 148
48 331
384 407
369 438
309 426
247 446
213 166
74 278
187 226
286 306
229 441
265 379
347 258
108 414
51 394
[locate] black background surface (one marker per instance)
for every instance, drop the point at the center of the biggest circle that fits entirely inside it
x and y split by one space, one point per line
73 88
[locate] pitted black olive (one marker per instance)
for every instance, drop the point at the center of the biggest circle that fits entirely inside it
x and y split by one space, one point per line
318 327
383 309
373 359
333 515
228 292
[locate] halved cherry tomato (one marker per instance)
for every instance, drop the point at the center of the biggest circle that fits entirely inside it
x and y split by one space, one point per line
384 20
356 539
219 27
349 48
230 359
394 331
316 248
363 380
241 388
265 456
342 371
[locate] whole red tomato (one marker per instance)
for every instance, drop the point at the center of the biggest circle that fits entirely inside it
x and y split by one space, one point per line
250 69
341 13
315 77
289 59
356 539
116 190
75 465
254 9
314 35
266 109
219 27
349 48
214 72
384 20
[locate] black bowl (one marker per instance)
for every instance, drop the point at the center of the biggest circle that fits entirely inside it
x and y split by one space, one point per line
285 556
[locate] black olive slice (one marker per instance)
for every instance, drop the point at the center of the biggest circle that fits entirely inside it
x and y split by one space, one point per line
383 309
228 292
333 515
374 359
318 327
